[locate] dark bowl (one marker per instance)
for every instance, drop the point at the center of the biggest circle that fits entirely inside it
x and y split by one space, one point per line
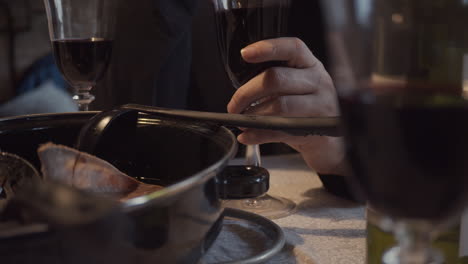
174 225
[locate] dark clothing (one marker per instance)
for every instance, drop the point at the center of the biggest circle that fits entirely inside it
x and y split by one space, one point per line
151 55
166 54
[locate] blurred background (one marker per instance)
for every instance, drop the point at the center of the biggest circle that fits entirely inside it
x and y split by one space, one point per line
165 54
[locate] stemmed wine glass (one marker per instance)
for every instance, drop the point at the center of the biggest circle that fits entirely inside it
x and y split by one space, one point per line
397 66
240 23
82 32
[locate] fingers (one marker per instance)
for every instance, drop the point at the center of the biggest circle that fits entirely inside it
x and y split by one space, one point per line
260 136
297 106
272 83
276 82
257 136
292 50
305 74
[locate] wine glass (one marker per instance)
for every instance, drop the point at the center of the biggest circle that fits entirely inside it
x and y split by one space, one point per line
82 32
240 23
397 66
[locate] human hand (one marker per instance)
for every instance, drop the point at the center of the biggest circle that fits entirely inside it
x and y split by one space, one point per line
301 89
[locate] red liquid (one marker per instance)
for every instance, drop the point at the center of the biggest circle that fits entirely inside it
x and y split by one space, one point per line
409 152
82 62
238 28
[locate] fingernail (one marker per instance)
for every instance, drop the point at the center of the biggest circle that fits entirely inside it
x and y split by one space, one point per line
248 52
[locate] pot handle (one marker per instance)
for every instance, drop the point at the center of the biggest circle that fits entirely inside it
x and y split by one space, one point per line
274 232
296 126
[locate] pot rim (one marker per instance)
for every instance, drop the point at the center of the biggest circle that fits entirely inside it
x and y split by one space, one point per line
19 117
168 192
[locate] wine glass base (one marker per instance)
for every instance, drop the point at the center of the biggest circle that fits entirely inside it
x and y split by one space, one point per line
271 207
432 256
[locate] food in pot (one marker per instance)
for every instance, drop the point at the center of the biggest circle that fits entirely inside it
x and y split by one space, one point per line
89 173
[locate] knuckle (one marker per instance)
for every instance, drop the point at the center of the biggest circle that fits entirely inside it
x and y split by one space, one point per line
299 47
325 83
283 105
298 43
273 49
274 77
329 106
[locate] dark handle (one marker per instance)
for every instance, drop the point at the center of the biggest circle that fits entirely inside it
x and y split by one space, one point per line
297 126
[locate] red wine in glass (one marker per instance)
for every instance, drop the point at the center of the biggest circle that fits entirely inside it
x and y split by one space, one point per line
240 27
82 32
82 62
417 144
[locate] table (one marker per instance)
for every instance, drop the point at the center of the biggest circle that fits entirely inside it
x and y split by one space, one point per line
325 229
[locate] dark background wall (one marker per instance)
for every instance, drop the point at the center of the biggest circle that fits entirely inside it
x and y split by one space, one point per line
23 30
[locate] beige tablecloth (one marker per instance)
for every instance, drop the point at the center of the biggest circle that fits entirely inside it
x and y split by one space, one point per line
324 229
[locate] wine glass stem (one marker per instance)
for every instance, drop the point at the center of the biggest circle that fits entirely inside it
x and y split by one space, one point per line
252 155
83 98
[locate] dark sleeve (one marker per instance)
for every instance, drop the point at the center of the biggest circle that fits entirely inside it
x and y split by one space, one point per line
339 186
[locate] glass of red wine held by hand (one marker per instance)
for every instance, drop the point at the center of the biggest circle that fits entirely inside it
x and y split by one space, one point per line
82 32
238 24
397 67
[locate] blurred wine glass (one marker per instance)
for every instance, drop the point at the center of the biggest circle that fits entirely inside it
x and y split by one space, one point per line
238 24
82 32
397 66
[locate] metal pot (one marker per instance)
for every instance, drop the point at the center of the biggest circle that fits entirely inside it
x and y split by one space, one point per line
174 225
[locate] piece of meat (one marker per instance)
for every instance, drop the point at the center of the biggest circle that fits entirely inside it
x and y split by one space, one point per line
89 173
141 190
